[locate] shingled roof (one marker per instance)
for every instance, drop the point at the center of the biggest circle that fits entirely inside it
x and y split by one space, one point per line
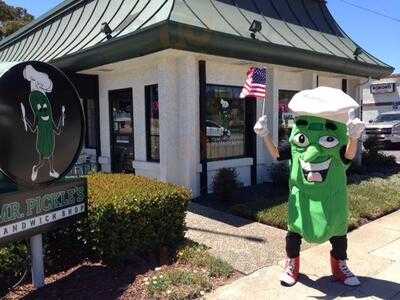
300 33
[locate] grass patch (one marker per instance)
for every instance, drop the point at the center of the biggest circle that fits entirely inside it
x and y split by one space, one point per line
368 201
193 275
196 255
178 284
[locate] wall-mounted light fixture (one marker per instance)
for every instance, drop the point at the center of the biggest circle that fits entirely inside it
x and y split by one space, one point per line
357 52
256 26
105 28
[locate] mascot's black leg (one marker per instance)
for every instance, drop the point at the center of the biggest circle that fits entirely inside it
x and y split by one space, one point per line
340 270
292 265
293 243
339 247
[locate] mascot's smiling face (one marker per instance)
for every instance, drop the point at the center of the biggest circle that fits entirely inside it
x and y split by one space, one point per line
41 107
317 147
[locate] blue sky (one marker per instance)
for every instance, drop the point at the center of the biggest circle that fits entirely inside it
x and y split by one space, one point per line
378 35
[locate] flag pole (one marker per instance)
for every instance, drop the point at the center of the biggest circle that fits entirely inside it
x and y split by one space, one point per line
264 106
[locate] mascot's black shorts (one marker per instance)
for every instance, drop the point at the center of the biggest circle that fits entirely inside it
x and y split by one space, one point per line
339 246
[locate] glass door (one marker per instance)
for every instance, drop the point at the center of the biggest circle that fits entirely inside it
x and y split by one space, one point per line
121 135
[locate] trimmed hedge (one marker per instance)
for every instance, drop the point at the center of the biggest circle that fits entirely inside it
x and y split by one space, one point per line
133 214
127 214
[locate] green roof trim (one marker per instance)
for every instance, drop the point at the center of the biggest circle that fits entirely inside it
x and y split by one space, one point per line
298 33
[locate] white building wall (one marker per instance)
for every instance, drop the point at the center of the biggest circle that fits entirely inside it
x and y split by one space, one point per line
178 88
375 104
176 73
135 77
189 122
334 82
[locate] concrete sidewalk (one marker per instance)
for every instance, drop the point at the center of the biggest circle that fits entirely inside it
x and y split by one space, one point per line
374 255
245 244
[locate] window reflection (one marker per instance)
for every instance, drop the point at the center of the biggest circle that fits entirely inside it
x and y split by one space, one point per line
225 122
152 120
286 117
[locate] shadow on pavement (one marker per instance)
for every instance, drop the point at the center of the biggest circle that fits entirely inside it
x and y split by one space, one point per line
245 237
370 287
268 194
219 215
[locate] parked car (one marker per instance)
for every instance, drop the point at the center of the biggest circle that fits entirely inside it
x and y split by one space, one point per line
215 130
386 127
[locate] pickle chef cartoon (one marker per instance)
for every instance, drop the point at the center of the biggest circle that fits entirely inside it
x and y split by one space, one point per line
43 124
322 144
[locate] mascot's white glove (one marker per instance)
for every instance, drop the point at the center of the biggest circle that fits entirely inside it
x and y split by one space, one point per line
261 127
355 128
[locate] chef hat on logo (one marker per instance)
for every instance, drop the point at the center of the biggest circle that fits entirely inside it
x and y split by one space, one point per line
39 80
323 102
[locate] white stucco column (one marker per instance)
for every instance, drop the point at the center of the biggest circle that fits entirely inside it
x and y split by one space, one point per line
189 122
309 80
169 120
264 159
105 159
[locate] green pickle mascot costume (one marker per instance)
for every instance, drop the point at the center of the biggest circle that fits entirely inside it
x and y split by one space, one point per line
43 125
323 136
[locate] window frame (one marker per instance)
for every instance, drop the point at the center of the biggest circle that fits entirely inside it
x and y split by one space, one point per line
247 147
147 101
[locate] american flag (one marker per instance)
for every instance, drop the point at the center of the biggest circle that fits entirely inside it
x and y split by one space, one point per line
256 83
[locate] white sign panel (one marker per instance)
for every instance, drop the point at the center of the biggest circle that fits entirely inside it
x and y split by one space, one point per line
34 222
382 88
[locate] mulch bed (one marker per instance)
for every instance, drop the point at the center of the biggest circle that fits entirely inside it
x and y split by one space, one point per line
89 280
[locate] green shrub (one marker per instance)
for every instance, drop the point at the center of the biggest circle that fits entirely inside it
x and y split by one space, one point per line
12 264
132 214
280 173
225 183
372 145
376 161
127 214
373 160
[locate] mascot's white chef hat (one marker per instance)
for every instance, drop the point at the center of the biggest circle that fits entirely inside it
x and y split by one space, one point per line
39 81
323 102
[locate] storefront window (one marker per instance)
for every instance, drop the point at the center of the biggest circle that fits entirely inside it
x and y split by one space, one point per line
286 118
152 123
225 122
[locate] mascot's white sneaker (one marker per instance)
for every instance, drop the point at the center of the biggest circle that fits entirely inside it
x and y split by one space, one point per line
342 273
54 174
291 274
34 173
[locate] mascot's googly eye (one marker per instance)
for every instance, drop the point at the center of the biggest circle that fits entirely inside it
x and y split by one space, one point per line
328 142
39 107
45 105
301 140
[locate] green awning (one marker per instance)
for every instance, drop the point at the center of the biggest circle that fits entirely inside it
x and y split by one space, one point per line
300 33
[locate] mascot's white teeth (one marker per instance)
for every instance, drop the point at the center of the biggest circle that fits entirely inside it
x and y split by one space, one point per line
315 167
315 172
45 118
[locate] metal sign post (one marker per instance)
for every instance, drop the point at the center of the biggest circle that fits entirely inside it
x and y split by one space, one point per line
37 261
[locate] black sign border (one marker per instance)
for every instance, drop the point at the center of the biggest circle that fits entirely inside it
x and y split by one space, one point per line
33 186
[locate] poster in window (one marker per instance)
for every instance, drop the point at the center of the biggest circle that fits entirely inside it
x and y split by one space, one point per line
286 117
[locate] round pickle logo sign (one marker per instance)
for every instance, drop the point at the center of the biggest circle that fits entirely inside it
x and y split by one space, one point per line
41 125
